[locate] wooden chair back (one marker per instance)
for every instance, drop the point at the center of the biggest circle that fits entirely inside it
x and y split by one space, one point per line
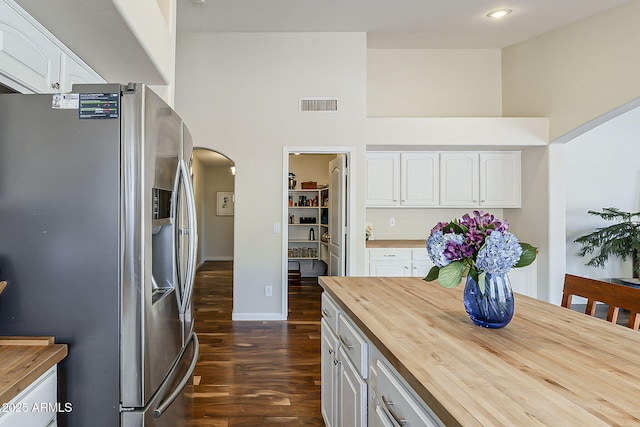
616 296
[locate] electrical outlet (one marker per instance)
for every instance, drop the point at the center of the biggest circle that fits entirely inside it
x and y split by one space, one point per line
268 291
276 228
392 222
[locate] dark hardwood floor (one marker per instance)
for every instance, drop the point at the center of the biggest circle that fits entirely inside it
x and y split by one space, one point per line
255 373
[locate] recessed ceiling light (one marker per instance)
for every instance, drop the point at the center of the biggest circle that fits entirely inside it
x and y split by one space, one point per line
500 13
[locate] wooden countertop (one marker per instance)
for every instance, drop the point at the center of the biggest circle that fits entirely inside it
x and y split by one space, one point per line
550 366
396 244
25 359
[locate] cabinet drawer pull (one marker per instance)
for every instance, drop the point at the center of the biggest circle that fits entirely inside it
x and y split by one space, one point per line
346 343
326 313
388 404
389 255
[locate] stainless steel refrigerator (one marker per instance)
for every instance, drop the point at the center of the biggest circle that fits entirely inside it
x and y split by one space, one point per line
98 245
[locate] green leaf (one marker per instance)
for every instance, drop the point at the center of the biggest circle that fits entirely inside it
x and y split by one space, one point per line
473 273
455 227
528 255
451 275
482 278
433 274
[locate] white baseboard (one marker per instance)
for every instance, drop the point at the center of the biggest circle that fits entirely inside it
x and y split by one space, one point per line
257 316
219 258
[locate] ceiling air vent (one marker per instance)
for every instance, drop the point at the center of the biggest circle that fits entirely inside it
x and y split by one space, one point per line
316 105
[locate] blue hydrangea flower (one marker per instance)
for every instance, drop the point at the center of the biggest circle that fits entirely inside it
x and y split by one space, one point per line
500 252
437 247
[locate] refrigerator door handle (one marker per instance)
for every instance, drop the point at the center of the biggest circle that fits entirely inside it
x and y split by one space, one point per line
174 203
166 402
193 239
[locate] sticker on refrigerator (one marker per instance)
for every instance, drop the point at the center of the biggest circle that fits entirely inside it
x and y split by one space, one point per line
99 105
65 101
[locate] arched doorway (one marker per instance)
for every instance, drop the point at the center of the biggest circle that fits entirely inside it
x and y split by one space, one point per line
214 183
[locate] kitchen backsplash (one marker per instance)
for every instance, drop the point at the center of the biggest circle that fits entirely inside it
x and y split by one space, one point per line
412 223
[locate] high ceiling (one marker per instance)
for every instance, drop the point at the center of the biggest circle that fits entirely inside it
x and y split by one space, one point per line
437 24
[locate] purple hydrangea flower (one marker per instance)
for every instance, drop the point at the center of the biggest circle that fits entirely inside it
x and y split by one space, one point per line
444 247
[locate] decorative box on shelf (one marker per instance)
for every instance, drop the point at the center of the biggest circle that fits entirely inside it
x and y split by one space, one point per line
309 185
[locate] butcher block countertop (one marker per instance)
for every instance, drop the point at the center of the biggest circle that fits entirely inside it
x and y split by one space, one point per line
550 366
396 244
25 359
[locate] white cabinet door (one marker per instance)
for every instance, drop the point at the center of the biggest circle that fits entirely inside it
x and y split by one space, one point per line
329 375
420 262
459 179
420 178
353 395
389 268
383 179
500 179
30 408
72 72
29 61
389 262
420 268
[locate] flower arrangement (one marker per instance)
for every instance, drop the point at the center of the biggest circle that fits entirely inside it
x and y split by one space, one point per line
474 245
368 232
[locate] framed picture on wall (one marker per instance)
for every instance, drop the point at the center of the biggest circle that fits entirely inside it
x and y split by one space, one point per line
225 203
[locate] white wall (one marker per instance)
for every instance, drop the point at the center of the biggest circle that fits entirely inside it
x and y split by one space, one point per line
602 171
578 76
577 73
310 167
239 94
434 83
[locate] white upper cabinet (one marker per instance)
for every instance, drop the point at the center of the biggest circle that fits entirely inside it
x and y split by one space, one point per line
383 179
27 57
32 60
500 179
459 179
419 179
444 179
402 179
73 72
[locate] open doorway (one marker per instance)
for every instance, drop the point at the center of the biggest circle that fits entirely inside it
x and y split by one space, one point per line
316 198
214 184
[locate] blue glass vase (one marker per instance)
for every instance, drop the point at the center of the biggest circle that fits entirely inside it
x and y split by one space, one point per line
493 308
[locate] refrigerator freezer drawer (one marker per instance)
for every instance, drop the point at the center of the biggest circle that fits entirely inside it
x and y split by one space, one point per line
170 406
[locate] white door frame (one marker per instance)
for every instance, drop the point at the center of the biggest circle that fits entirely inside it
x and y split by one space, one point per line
350 216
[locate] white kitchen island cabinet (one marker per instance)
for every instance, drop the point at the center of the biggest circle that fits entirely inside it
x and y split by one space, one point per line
344 364
533 372
359 386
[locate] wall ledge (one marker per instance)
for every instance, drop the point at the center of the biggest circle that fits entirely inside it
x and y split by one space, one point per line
458 131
